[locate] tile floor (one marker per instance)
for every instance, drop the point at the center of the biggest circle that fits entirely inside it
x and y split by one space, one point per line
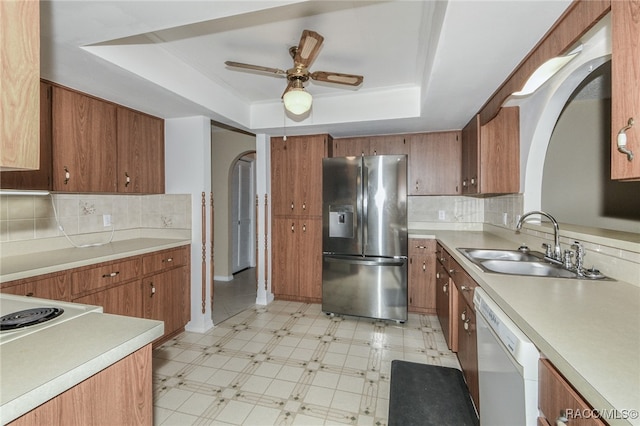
289 364
233 297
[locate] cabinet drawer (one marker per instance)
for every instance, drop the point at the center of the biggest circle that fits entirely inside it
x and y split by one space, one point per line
466 285
104 275
52 286
421 245
558 399
163 260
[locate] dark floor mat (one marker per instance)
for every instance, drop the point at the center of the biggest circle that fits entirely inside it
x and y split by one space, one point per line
423 394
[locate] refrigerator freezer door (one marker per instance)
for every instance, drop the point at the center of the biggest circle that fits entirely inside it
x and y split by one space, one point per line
385 205
342 205
365 286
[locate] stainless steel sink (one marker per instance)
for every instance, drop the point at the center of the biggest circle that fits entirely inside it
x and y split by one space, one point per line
537 269
524 262
476 254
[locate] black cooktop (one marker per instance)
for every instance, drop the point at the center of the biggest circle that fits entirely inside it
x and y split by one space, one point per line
28 317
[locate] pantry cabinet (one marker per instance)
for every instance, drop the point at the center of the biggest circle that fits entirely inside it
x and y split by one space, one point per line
84 141
625 86
19 79
434 163
296 183
491 154
297 259
422 277
558 401
41 178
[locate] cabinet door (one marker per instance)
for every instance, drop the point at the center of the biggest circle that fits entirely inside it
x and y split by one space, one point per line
19 76
388 145
281 177
163 299
422 276
625 86
556 398
41 178
308 243
285 257
140 153
125 299
500 153
467 349
443 304
308 182
470 166
84 143
435 160
350 147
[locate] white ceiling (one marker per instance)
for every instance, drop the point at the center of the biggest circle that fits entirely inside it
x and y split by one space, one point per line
427 65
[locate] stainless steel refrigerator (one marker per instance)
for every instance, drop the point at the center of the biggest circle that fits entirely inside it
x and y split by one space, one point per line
364 242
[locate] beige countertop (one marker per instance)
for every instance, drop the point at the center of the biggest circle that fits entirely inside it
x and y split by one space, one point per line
44 262
40 366
588 329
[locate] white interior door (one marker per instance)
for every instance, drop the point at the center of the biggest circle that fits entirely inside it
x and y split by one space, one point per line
243 245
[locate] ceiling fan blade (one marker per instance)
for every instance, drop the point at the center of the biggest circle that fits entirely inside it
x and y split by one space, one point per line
256 68
308 48
338 78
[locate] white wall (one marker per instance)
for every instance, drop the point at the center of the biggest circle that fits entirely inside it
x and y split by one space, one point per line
188 171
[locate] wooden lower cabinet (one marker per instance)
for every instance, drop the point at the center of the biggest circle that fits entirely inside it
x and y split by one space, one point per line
124 299
422 278
163 299
467 349
121 394
53 286
559 402
297 259
153 286
446 303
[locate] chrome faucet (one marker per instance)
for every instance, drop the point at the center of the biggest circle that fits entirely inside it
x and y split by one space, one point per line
554 254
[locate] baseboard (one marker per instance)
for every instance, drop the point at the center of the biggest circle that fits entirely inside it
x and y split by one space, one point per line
223 277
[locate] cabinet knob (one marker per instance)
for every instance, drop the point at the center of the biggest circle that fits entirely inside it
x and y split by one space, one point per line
438 275
466 325
473 181
170 259
111 275
464 183
424 266
292 205
153 289
304 227
465 288
452 271
292 227
304 206
444 288
463 314
127 179
67 175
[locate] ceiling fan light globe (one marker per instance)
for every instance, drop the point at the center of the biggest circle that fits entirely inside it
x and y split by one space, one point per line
297 101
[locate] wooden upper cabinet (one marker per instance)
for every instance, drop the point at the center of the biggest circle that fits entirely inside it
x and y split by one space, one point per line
434 163
470 165
19 79
351 147
491 154
296 174
625 86
36 179
388 145
371 145
140 152
84 143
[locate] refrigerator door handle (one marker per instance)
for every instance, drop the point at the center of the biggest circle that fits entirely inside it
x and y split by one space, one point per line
366 261
364 190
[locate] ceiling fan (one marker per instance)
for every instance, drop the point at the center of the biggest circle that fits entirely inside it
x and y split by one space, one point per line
296 99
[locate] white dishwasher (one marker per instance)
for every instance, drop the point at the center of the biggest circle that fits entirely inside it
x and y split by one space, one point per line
507 367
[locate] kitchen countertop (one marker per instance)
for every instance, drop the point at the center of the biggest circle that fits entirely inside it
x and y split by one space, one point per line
41 365
587 329
45 262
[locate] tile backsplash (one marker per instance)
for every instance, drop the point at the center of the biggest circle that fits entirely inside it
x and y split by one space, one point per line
500 211
27 217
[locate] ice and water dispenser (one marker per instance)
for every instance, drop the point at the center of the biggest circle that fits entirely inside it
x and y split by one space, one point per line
341 221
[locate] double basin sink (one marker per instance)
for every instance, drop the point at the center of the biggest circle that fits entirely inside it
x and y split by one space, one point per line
525 262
